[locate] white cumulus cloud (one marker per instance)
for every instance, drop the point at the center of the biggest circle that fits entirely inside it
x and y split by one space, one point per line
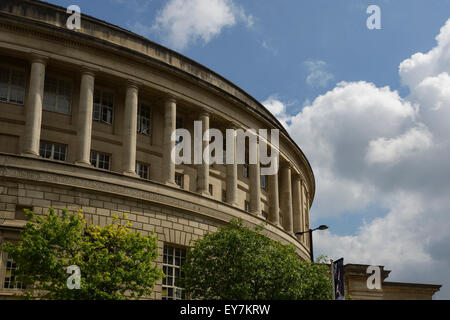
182 22
388 151
318 75
370 147
278 109
422 65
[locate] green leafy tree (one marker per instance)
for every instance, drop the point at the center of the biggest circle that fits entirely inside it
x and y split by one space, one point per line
115 262
239 263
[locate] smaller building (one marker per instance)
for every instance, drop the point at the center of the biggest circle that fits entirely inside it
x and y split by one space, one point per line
356 286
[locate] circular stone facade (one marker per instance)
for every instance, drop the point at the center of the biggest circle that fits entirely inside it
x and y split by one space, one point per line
84 120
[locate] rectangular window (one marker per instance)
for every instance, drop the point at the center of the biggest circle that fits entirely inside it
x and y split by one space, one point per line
103 106
53 151
224 147
179 180
247 206
12 85
263 182
224 196
172 261
142 170
179 125
100 160
264 214
211 189
10 276
144 121
57 95
245 171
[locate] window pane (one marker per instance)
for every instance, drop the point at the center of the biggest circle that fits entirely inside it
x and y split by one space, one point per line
179 123
45 150
179 179
171 285
94 158
107 115
97 96
103 106
107 99
246 171
100 160
64 96
17 95
18 78
96 112
3 92
144 119
60 153
49 102
10 276
64 104
12 85
65 88
4 75
50 85
142 170
178 295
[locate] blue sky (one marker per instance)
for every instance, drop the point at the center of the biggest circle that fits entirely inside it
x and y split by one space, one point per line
377 142
333 31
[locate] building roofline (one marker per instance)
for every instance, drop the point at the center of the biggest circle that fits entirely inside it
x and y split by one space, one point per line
435 287
258 107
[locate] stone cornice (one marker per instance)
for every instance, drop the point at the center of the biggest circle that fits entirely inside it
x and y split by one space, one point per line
43 171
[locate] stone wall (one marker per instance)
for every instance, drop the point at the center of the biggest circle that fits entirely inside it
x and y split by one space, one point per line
171 226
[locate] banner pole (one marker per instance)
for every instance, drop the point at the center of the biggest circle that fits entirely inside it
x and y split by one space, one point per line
332 277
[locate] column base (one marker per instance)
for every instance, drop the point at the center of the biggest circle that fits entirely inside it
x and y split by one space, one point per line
262 217
131 174
233 204
257 213
171 184
277 224
204 193
30 154
83 163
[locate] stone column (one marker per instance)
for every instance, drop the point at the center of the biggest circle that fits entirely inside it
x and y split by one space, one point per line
297 204
85 109
232 176
203 169
255 185
130 129
168 166
306 217
286 198
303 202
33 110
274 200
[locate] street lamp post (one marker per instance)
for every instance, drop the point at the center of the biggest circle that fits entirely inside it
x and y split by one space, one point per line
310 231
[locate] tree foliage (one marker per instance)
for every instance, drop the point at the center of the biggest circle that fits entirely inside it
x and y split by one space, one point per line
115 262
239 263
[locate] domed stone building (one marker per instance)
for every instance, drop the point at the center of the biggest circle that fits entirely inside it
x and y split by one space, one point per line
85 123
